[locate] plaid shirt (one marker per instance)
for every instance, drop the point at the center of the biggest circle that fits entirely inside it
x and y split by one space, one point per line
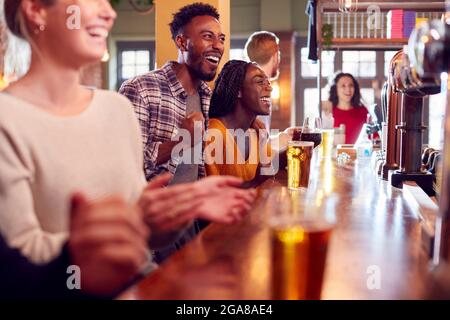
159 102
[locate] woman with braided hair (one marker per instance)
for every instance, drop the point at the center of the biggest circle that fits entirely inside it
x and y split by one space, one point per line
242 92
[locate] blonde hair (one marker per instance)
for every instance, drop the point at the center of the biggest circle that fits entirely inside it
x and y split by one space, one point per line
261 46
17 24
15 18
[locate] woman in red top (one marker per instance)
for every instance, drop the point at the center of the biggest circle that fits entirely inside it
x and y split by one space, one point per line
345 98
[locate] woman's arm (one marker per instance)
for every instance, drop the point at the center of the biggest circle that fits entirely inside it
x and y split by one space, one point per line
21 279
278 161
19 224
107 243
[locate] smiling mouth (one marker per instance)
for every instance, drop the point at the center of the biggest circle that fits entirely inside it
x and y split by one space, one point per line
98 32
213 59
266 100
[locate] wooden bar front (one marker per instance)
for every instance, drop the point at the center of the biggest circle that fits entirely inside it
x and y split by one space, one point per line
376 234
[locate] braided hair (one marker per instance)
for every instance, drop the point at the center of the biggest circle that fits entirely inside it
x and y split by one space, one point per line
227 86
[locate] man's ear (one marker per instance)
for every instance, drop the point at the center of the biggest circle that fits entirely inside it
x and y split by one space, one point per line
181 42
274 58
239 94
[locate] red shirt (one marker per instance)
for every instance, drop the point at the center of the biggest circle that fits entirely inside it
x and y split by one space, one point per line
353 120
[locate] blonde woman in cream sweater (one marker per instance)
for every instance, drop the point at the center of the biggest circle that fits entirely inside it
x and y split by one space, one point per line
58 137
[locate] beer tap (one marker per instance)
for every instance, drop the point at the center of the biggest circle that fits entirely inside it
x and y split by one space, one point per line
412 86
393 99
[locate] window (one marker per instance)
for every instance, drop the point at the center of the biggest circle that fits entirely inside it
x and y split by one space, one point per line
134 59
360 63
367 66
237 49
388 55
436 120
237 54
311 101
135 63
310 69
368 96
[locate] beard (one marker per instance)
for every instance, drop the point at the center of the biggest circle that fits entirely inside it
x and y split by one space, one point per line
200 74
195 66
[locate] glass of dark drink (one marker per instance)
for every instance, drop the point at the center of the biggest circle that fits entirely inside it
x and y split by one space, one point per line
296 134
312 130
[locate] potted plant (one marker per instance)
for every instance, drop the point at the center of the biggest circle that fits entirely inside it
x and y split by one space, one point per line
327 35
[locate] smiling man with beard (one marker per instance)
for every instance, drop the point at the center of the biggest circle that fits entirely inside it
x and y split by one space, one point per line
177 97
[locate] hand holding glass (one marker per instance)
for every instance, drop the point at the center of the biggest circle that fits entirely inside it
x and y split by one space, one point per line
312 130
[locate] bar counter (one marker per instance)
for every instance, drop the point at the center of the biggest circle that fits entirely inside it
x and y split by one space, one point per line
376 234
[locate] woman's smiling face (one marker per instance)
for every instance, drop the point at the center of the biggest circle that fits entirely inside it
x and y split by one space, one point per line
256 90
345 89
76 31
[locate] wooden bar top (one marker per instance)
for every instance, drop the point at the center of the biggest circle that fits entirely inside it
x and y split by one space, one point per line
376 233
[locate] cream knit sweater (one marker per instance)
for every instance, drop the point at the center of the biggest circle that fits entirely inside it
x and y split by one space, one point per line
45 158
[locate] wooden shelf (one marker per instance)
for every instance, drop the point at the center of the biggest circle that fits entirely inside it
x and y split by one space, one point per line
369 40
371 43
385 5
352 24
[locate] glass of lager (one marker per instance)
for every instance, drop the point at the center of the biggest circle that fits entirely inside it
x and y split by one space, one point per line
300 233
327 142
299 154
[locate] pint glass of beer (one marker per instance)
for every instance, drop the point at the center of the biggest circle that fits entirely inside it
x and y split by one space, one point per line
327 142
299 154
299 240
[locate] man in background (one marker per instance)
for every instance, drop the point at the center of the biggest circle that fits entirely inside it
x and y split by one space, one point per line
263 48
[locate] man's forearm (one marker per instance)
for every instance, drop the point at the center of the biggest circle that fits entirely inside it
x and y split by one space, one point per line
165 151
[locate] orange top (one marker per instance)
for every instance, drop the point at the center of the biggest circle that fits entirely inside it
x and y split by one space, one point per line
223 156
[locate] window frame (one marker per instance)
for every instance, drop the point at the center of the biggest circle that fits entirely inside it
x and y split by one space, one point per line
359 62
238 44
133 46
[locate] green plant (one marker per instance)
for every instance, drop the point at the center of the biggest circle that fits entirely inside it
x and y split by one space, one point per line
327 35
